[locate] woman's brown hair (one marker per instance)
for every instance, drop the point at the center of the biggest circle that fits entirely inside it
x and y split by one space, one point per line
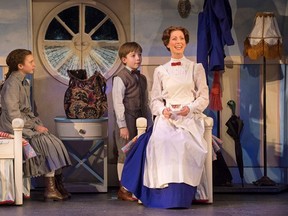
167 33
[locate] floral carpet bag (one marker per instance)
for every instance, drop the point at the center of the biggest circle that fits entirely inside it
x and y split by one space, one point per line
85 97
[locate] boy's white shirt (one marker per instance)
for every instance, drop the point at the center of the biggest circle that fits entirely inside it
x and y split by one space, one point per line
118 92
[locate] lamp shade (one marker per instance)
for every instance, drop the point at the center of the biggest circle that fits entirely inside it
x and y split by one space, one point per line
265 38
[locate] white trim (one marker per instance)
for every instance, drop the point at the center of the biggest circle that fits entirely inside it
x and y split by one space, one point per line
29 23
286 13
2 61
132 20
229 60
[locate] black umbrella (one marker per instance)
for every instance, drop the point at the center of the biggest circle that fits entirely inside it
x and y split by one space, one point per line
235 126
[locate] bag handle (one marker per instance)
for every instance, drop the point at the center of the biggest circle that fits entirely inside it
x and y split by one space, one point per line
74 78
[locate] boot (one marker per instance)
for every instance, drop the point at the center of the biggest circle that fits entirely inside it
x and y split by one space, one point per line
60 186
51 191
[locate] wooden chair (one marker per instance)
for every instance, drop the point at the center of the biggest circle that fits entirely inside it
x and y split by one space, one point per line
208 123
12 149
141 124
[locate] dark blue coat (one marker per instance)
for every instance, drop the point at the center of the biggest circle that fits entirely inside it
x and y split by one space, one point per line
214 32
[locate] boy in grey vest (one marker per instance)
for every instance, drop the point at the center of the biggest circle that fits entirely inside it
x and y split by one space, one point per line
130 101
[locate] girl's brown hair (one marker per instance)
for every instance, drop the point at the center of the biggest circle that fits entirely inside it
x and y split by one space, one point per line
15 58
167 33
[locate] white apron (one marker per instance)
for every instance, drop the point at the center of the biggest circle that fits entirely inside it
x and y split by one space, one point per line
176 151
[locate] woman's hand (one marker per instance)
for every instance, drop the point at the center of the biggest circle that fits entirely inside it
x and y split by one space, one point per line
184 111
167 113
41 129
124 133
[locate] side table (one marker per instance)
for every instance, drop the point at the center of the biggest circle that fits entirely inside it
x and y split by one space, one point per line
86 143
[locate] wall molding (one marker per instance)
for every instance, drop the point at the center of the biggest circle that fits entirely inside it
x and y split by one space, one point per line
229 60
3 61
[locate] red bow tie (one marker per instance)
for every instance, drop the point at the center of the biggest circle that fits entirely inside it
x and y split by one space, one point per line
175 63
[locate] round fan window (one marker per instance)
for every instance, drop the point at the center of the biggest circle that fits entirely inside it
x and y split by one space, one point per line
80 36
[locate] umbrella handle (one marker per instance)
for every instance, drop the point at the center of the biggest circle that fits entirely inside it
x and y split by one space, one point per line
232 106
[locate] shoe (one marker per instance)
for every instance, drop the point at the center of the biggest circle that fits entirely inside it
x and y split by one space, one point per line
199 201
60 187
27 197
51 192
125 195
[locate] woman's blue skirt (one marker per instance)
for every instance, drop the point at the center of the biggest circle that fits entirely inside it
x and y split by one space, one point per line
176 195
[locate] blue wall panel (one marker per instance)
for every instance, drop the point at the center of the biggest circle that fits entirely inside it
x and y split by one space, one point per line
250 113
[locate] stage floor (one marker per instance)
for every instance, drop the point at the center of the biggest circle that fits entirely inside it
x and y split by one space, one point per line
107 204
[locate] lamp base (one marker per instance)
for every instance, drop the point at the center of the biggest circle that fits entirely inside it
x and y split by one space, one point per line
264 181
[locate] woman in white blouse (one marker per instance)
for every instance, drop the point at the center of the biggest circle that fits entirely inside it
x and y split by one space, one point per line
174 151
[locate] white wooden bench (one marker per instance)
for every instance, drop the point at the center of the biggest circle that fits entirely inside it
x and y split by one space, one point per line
12 149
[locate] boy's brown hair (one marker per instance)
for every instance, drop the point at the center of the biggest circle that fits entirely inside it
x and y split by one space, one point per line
128 47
